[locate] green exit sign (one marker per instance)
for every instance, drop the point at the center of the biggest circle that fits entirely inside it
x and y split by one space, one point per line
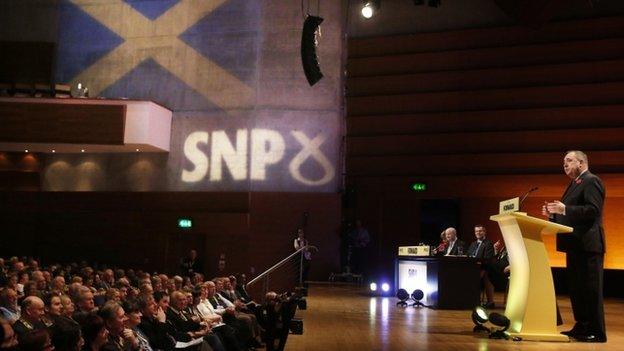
419 186
185 223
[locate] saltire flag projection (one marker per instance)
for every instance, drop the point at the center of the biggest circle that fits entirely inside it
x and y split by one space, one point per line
203 60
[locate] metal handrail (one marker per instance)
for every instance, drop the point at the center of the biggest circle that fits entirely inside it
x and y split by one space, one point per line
279 264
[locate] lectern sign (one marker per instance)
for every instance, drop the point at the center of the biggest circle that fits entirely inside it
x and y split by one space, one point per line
508 206
421 250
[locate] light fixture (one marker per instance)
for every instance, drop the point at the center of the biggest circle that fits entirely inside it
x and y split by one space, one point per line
137 150
403 296
26 151
373 286
417 296
385 287
370 7
479 317
82 150
53 151
502 321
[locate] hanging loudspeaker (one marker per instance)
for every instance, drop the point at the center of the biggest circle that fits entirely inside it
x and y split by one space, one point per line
308 49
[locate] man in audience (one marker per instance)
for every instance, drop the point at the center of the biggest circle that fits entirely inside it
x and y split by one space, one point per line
182 323
30 319
190 264
85 303
119 338
455 246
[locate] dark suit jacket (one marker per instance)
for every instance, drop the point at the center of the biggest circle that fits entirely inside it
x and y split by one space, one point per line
455 248
584 201
485 252
157 334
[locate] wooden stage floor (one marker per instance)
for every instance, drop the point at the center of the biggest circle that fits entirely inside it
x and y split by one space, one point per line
344 318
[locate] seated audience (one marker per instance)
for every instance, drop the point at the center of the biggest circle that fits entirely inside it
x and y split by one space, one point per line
8 305
66 335
32 309
36 340
8 338
94 333
119 337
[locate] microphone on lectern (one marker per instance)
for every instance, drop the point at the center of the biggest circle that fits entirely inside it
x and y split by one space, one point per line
527 194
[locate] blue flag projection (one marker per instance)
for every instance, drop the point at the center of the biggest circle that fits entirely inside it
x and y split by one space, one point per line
204 59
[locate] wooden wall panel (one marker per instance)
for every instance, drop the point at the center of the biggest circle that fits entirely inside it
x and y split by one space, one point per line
508 56
491 163
62 123
487 121
489 99
475 142
482 115
560 74
607 27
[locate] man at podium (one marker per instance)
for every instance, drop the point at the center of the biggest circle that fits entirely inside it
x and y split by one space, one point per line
581 208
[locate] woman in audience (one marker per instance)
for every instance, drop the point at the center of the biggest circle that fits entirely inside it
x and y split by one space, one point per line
53 308
36 340
8 305
66 335
94 333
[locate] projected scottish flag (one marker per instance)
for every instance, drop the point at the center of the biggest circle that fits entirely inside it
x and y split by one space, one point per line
185 54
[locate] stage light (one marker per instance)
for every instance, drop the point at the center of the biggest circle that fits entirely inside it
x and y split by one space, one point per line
502 321
370 7
403 296
373 286
385 287
479 317
418 295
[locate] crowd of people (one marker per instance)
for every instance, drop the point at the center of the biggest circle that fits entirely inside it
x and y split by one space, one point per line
78 307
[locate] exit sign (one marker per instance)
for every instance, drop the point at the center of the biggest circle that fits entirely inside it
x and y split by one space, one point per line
419 186
185 223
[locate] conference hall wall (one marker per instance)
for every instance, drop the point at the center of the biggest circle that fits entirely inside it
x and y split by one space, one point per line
253 146
482 115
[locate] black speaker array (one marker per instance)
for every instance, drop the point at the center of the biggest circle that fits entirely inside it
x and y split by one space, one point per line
308 49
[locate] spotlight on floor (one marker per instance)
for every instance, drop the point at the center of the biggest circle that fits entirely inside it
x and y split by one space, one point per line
479 317
417 296
370 7
385 287
502 321
373 286
403 296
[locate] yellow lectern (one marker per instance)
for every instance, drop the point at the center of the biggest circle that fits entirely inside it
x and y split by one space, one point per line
531 303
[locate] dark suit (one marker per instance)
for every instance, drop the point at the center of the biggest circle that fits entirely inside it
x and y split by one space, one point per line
584 248
455 250
483 252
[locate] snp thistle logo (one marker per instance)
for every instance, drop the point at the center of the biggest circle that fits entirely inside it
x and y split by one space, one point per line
254 153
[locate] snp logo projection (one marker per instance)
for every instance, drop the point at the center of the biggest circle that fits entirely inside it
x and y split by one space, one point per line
251 155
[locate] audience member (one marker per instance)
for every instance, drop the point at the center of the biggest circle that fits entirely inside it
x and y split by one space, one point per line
32 309
8 305
7 336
